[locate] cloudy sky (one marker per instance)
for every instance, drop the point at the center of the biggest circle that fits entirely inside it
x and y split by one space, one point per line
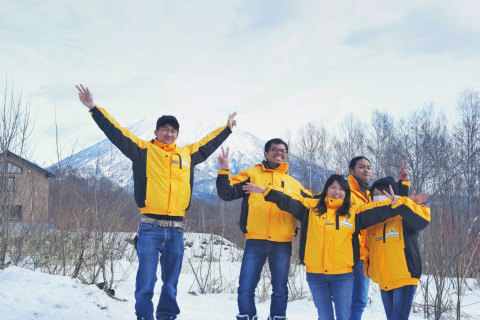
278 63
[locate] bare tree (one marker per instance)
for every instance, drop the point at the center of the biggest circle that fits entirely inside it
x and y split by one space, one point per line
311 149
381 145
466 136
350 142
16 127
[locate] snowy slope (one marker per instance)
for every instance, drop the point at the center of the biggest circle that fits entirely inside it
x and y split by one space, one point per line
106 159
29 295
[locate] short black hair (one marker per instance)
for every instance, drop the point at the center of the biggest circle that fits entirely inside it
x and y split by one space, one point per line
167 119
354 161
276 141
384 184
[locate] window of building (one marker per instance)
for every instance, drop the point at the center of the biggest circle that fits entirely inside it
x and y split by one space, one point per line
7 184
11 168
15 212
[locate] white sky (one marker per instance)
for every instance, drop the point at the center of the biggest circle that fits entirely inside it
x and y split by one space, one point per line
278 63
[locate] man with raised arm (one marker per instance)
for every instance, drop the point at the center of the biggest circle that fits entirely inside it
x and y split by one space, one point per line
163 179
269 230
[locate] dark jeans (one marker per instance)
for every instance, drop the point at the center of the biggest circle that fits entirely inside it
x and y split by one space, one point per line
254 257
328 287
153 240
360 291
398 302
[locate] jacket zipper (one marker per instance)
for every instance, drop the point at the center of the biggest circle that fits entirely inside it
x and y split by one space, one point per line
384 227
179 159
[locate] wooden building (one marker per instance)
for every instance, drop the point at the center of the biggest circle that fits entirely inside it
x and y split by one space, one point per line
24 189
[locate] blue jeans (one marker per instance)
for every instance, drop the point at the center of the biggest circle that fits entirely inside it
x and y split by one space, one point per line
398 302
254 257
326 288
153 240
360 291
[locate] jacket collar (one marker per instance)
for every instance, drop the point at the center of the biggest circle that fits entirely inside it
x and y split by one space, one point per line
282 168
167 147
356 188
333 203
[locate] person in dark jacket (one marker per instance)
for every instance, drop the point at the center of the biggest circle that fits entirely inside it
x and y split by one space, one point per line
163 178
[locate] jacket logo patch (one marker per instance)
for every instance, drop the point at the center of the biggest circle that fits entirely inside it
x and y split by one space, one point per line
346 223
329 224
391 233
185 163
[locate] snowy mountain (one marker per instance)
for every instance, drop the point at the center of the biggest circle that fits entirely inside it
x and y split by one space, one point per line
105 159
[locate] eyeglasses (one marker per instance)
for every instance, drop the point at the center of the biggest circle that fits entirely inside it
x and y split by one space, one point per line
275 150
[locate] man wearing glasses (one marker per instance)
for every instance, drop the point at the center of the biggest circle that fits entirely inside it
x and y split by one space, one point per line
163 178
268 230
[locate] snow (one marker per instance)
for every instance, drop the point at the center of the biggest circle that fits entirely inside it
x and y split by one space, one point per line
26 294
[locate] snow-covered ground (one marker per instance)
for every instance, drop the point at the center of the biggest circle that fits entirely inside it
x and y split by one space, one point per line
25 294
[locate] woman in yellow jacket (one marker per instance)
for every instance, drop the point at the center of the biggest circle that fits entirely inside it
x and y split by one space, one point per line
394 260
329 238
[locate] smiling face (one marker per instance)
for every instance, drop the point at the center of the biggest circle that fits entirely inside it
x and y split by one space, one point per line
362 171
335 191
166 134
276 155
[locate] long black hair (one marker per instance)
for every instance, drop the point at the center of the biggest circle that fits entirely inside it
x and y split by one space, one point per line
344 209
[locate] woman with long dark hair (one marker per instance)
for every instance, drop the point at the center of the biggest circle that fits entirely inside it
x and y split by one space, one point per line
329 237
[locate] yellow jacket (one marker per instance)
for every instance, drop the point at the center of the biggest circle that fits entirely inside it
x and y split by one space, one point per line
394 257
358 198
162 174
260 219
329 242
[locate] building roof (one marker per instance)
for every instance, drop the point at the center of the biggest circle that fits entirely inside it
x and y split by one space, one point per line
48 173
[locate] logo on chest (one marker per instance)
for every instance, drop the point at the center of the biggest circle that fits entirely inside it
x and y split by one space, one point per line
392 233
346 223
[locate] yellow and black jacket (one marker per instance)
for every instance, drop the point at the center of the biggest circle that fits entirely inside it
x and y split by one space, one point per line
329 242
394 257
260 219
359 198
162 174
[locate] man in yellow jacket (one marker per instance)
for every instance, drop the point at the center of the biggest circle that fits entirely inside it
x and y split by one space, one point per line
359 175
269 230
163 178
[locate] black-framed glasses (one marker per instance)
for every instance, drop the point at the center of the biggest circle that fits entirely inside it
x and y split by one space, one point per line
284 151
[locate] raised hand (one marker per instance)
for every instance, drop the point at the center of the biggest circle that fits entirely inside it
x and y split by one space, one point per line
338 171
253 188
223 160
231 122
392 196
419 198
403 173
85 96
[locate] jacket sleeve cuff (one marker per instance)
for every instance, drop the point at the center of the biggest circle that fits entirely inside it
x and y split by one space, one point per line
267 191
222 171
399 202
94 109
